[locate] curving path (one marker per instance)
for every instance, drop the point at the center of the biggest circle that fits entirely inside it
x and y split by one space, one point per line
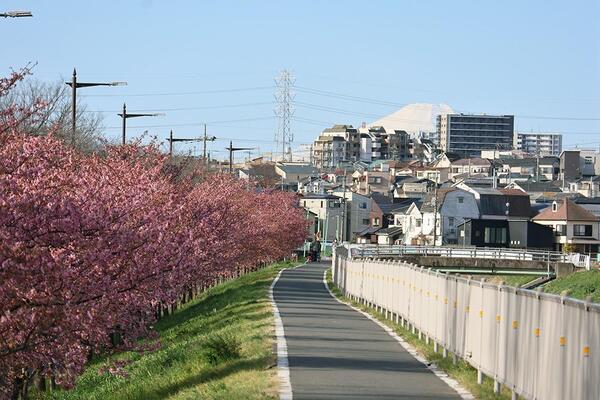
335 352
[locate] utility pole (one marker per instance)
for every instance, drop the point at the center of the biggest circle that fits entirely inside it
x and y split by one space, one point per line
126 115
171 143
74 85
204 140
231 149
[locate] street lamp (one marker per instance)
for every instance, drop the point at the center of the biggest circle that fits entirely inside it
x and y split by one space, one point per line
126 115
74 85
16 14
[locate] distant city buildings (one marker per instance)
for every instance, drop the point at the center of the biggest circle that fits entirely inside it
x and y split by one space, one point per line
543 144
470 134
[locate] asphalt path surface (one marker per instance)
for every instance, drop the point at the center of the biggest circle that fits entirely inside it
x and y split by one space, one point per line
337 353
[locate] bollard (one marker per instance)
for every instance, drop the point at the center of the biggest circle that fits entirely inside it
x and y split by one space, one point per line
513 395
496 386
454 359
444 352
435 347
397 318
426 339
420 335
479 376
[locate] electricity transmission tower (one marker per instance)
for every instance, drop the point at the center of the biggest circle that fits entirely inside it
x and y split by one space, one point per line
284 96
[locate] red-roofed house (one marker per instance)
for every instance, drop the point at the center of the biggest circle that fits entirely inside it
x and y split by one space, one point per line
573 225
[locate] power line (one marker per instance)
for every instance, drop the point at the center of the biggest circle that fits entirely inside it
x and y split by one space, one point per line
194 123
183 93
325 93
188 108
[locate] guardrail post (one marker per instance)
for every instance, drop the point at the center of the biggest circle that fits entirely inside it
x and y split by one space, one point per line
444 352
479 376
496 386
435 346
454 359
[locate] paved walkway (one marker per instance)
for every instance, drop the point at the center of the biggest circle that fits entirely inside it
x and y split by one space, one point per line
337 353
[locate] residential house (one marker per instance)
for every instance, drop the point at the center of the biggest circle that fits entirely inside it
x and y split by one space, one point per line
328 212
389 236
383 209
469 167
591 204
519 234
356 212
262 173
369 182
410 187
586 186
291 174
536 190
575 228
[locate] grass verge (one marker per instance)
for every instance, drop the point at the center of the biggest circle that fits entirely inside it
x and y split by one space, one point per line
218 346
462 372
580 285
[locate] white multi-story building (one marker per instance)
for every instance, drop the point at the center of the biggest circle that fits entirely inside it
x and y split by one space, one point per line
544 144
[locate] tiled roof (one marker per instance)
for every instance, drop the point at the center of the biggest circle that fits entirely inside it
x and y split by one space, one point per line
567 211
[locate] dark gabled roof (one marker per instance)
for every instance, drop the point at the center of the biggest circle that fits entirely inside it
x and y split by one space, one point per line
298 169
391 231
587 200
388 205
453 156
475 161
339 128
367 232
542 186
314 196
495 204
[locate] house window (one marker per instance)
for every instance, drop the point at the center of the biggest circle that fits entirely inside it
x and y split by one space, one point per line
365 221
554 207
418 223
375 221
450 221
493 235
461 200
560 230
377 179
362 205
334 204
582 230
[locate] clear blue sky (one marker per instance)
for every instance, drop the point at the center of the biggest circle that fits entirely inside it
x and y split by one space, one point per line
528 58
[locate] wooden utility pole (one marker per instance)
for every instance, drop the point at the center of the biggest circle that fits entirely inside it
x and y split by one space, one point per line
231 149
204 140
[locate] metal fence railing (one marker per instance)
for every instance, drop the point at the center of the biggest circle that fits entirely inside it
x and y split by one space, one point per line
376 251
539 345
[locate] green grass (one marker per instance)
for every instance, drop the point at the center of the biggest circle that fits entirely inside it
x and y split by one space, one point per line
218 346
580 285
462 372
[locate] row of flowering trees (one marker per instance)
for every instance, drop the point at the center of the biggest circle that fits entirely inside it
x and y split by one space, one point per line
92 245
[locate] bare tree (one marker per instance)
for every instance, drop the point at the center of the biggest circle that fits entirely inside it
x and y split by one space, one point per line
56 115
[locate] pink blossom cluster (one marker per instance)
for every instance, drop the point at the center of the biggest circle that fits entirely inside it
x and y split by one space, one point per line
91 245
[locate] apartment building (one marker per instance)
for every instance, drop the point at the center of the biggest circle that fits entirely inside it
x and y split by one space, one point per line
470 134
543 144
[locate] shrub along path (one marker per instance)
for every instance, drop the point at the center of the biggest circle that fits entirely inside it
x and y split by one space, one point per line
197 359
